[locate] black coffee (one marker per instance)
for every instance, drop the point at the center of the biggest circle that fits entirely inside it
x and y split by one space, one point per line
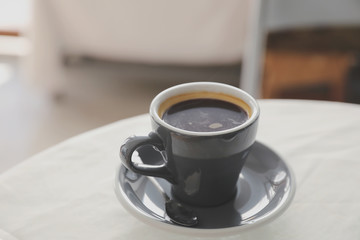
205 115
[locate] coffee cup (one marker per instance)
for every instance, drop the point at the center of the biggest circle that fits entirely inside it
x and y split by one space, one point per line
204 132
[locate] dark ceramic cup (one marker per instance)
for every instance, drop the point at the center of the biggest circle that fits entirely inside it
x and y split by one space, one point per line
202 167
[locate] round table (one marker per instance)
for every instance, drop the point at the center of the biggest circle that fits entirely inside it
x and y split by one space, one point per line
67 191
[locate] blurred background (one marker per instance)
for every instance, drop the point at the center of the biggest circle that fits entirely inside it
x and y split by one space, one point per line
70 66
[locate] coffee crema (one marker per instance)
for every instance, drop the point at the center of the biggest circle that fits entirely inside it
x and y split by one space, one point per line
204 112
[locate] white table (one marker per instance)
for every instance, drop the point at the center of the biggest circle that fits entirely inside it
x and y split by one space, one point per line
66 192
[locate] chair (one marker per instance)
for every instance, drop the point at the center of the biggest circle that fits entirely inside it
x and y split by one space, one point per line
269 69
156 34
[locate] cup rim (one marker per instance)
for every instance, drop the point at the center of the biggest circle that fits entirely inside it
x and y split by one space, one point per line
204 86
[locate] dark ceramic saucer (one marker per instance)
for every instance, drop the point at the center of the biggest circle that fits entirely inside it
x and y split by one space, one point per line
266 187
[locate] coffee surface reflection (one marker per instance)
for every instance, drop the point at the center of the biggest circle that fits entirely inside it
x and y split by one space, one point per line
205 115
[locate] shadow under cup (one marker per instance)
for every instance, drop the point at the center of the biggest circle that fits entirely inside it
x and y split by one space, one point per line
202 167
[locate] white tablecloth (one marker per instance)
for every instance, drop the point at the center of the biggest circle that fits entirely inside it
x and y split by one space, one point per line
66 192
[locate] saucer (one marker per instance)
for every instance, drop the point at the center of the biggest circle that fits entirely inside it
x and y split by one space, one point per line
265 189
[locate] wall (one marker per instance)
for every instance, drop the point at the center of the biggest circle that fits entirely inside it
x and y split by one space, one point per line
282 14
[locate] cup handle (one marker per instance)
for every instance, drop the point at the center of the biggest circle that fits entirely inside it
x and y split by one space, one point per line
133 143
